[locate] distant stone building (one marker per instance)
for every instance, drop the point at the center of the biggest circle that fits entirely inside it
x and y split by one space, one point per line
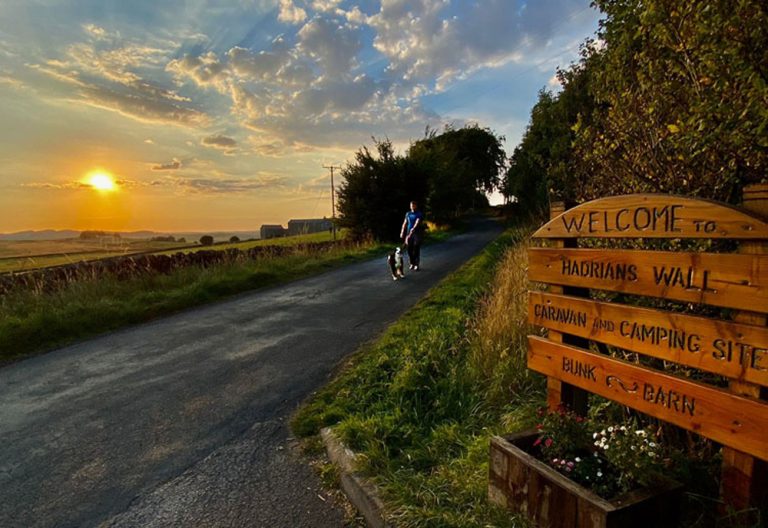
272 231
304 227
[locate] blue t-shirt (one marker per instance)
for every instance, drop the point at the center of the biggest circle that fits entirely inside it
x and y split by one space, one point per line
411 217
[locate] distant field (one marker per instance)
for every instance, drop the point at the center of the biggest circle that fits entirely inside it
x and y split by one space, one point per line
32 254
323 236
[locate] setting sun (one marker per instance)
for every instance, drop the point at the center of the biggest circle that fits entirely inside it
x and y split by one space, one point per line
101 181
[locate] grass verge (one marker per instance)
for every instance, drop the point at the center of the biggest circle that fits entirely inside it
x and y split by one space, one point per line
421 402
34 322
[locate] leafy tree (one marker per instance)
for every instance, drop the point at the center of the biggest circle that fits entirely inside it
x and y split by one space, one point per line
206 240
376 190
233 239
682 93
463 164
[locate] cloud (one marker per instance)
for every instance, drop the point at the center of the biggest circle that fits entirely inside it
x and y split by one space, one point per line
332 44
172 166
227 185
95 31
142 107
109 76
8 80
425 44
291 14
220 142
205 69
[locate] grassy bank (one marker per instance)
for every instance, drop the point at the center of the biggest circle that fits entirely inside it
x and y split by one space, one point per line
422 401
33 322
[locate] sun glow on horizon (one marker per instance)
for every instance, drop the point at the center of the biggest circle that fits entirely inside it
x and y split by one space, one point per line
101 181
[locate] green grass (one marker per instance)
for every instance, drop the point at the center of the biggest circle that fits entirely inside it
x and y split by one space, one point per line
421 403
33 322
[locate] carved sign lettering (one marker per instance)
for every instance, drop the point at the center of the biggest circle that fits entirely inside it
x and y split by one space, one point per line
738 351
709 278
732 420
654 216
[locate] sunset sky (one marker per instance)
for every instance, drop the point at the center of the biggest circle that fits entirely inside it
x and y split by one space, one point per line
219 115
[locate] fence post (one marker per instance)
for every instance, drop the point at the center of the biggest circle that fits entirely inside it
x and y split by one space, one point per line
744 481
559 393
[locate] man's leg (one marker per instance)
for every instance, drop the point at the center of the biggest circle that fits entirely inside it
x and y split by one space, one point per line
416 251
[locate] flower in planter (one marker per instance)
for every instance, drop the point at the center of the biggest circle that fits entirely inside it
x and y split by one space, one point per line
609 460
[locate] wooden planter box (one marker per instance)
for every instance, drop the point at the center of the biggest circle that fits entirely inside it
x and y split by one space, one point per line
523 484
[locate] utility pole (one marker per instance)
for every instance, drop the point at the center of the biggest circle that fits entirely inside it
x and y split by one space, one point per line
333 198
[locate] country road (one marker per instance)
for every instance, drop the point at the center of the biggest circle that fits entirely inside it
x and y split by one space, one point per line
183 421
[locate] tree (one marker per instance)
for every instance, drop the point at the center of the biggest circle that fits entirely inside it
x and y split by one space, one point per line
463 165
682 93
376 190
233 239
206 240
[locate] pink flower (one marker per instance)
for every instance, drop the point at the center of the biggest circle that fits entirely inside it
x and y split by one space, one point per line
548 442
537 442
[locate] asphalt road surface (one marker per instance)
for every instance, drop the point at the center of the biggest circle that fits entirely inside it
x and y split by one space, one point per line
183 421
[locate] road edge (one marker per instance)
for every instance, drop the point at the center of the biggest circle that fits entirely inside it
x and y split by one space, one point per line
361 492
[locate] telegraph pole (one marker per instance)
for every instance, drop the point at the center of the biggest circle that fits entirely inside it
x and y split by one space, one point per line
333 197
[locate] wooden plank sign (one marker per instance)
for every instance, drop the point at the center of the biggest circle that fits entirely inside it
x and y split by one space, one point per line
735 421
738 351
726 280
654 216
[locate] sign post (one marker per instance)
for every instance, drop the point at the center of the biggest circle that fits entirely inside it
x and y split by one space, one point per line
735 348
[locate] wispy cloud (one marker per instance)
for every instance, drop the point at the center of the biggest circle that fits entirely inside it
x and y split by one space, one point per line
220 142
172 166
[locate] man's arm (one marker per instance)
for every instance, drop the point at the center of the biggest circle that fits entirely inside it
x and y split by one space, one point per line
415 226
402 229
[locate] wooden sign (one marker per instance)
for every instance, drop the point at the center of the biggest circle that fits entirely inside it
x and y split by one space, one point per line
654 216
735 421
734 350
729 280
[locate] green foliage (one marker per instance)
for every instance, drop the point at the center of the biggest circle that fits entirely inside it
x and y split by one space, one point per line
463 164
206 240
682 89
672 97
376 191
446 174
609 459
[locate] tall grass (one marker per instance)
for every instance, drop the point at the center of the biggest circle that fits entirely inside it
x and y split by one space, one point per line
33 321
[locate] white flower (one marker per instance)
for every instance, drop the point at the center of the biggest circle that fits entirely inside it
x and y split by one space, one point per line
577 459
599 473
594 435
610 429
623 428
652 444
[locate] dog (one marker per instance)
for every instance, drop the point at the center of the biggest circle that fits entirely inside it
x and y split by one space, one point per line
395 264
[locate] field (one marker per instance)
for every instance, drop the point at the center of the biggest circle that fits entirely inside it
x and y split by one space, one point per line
33 254
24 255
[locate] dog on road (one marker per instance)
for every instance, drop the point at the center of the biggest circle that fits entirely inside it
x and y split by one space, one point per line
395 264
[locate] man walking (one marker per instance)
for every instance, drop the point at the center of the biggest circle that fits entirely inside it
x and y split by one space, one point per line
412 233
